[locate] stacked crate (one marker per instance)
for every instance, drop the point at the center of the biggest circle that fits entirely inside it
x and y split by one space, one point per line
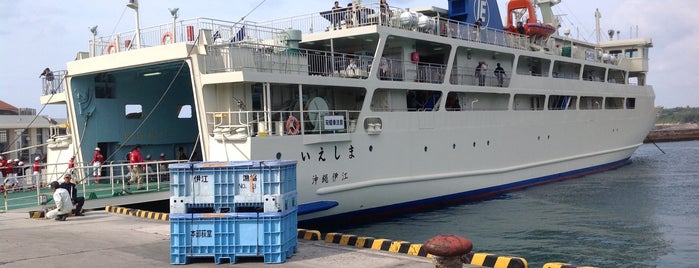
227 210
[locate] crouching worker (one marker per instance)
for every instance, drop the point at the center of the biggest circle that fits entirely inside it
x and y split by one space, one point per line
63 203
78 201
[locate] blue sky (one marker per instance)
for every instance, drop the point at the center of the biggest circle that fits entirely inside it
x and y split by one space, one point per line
41 33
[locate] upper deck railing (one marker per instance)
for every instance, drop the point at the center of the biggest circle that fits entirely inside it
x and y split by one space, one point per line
265 32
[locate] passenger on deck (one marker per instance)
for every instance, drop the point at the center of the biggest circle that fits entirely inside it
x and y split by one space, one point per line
337 16
520 27
384 69
48 81
385 12
500 75
351 68
79 201
481 71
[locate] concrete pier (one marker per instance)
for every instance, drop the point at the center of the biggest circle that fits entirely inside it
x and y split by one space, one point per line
115 240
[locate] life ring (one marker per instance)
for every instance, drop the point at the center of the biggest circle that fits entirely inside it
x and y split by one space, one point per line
293 125
110 47
165 36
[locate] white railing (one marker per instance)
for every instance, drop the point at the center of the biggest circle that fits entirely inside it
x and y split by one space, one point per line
113 182
54 83
246 124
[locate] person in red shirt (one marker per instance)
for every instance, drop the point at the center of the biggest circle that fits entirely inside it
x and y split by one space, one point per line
136 166
3 163
71 165
36 172
97 161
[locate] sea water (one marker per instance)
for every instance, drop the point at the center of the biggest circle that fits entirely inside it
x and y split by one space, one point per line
645 214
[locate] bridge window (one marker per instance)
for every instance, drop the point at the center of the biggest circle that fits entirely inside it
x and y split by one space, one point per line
630 103
133 111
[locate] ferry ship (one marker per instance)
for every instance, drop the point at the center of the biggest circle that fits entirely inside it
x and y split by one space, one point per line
385 109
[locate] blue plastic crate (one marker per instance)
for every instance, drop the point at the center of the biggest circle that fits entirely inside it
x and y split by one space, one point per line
223 186
270 234
231 235
202 235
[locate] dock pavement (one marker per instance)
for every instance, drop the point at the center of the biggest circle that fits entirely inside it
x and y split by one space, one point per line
103 239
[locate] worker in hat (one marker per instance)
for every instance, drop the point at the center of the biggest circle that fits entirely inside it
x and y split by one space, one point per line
137 167
97 160
36 172
79 201
63 203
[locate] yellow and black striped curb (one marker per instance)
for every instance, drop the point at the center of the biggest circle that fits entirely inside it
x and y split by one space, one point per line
37 214
138 213
492 260
308 234
377 244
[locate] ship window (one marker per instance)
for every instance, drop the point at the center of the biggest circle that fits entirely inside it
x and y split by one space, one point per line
593 73
616 76
590 103
562 102
533 66
630 103
613 103
566 70
104 86
529 102
632 53
133 111
477 101
184 111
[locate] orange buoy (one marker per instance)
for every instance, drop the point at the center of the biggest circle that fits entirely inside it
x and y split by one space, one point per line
111 48
168 37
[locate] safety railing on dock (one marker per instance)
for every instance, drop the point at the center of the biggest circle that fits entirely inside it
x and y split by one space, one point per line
113 180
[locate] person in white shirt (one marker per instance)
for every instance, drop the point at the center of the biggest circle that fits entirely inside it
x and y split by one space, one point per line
63 203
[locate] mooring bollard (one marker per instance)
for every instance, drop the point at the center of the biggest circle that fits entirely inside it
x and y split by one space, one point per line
447 250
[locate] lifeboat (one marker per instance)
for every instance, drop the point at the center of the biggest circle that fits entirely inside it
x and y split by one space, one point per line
533 28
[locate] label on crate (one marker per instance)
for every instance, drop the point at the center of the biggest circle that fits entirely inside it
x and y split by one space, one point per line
202 233
249 188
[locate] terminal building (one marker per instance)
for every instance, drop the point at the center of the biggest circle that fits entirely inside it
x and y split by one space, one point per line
23 134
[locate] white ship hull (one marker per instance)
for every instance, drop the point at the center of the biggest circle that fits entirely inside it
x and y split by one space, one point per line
361 145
